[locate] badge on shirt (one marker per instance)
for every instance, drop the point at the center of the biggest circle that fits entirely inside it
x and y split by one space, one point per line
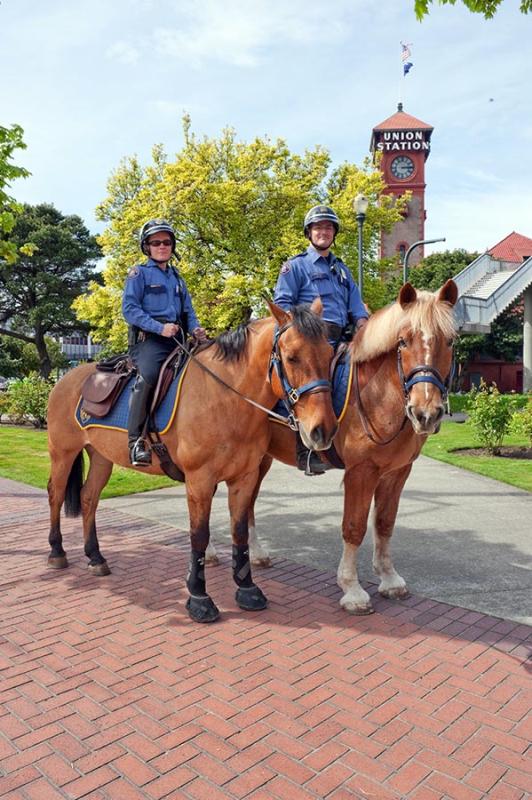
133 272
285 268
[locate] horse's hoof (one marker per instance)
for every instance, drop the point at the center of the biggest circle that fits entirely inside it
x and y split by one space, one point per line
99 569
358 609
202 609
264 562
57 562
399 593
251 598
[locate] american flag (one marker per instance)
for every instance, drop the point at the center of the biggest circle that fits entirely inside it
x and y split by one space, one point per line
406 55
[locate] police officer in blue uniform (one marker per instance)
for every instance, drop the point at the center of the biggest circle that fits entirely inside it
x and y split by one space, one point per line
157 306
317 272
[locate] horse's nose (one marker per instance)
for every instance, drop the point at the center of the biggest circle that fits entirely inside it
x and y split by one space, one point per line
427 420
319 438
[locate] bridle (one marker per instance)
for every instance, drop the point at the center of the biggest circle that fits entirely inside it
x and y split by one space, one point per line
291 395
422 373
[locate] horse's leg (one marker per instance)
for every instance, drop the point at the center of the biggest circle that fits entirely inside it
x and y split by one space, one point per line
99 473
257 552
211 556
241 490
359 485
65 471
200 492
387 496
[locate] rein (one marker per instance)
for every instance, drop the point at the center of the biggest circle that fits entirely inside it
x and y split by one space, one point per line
291 395
423 373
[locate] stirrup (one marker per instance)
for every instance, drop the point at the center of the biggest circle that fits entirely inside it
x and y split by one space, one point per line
139 455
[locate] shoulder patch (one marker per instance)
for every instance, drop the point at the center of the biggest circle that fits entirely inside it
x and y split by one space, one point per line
133 272
286 268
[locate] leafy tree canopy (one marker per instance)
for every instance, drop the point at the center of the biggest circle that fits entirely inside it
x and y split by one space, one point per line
19 359
238 210
37 291
10 140
487 8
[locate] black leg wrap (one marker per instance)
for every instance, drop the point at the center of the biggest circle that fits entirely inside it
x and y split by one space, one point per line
202 609
241 566
196 573
251 598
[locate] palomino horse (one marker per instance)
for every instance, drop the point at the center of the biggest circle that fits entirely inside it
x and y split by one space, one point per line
403 361
215 436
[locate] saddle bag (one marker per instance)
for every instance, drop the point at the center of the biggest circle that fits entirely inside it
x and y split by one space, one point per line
102 388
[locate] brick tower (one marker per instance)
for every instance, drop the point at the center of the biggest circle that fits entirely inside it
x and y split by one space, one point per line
404 142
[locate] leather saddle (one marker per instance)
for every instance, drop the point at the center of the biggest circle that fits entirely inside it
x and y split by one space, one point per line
102 388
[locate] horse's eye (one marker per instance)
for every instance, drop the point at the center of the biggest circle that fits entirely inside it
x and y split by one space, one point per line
293 359
402 342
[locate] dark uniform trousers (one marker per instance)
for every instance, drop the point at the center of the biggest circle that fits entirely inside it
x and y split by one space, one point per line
148 356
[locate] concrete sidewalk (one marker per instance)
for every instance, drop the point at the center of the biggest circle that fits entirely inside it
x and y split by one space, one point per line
460 538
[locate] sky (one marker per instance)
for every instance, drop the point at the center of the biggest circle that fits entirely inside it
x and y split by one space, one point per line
94 81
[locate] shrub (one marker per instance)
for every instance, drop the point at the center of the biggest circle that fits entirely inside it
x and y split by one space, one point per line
27 400
521 422
490 413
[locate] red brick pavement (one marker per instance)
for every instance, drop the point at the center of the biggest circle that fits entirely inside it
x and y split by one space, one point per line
108 690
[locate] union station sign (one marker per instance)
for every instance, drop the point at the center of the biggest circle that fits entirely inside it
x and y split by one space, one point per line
402 140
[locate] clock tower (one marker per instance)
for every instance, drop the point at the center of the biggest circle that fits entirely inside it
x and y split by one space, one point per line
404 142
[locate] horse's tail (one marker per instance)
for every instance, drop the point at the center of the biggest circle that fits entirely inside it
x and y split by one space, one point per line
73 488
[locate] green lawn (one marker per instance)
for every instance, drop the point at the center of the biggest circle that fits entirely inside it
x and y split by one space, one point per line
24 457
515 471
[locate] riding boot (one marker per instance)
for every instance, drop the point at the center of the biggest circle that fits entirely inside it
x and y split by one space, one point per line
139 453
308 461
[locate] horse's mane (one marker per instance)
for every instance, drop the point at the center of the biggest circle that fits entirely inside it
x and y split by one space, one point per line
231 345
426 315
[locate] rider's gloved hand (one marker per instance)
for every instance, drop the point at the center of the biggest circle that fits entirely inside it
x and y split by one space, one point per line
200 334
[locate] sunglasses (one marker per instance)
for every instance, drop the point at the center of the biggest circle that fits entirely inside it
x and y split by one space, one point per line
160 243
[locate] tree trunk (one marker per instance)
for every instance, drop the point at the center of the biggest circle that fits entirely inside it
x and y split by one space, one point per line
45 365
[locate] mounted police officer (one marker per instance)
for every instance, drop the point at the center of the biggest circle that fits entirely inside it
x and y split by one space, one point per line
317 272
157 307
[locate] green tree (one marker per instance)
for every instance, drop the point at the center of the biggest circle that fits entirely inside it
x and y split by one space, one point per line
18 359
237 209
36 292
10 140
487 8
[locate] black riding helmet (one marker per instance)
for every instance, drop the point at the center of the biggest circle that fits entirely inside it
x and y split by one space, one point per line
155 226
320 214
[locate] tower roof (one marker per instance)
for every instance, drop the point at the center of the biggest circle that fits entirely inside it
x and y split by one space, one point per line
515 247
401 120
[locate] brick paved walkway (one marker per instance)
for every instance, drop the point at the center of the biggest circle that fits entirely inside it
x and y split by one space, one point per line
108 690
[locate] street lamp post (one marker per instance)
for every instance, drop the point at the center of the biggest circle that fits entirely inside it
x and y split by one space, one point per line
360 205
413 247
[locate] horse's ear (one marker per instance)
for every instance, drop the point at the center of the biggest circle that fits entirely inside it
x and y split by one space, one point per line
448 293
317 306
282 316
407 295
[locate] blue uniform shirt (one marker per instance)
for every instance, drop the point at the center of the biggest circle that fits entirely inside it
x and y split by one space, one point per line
309 275
154 292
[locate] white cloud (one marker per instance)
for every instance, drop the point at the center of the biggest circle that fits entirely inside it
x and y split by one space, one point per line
123 52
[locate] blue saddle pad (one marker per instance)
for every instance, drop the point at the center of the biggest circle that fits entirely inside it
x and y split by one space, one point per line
117 417
341 384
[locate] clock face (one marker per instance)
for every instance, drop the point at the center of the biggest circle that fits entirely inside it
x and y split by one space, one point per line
402 168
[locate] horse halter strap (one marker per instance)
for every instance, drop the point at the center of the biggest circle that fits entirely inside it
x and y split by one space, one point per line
291 395
423 373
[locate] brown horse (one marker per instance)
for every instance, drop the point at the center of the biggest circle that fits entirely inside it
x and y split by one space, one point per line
400 357
215 436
